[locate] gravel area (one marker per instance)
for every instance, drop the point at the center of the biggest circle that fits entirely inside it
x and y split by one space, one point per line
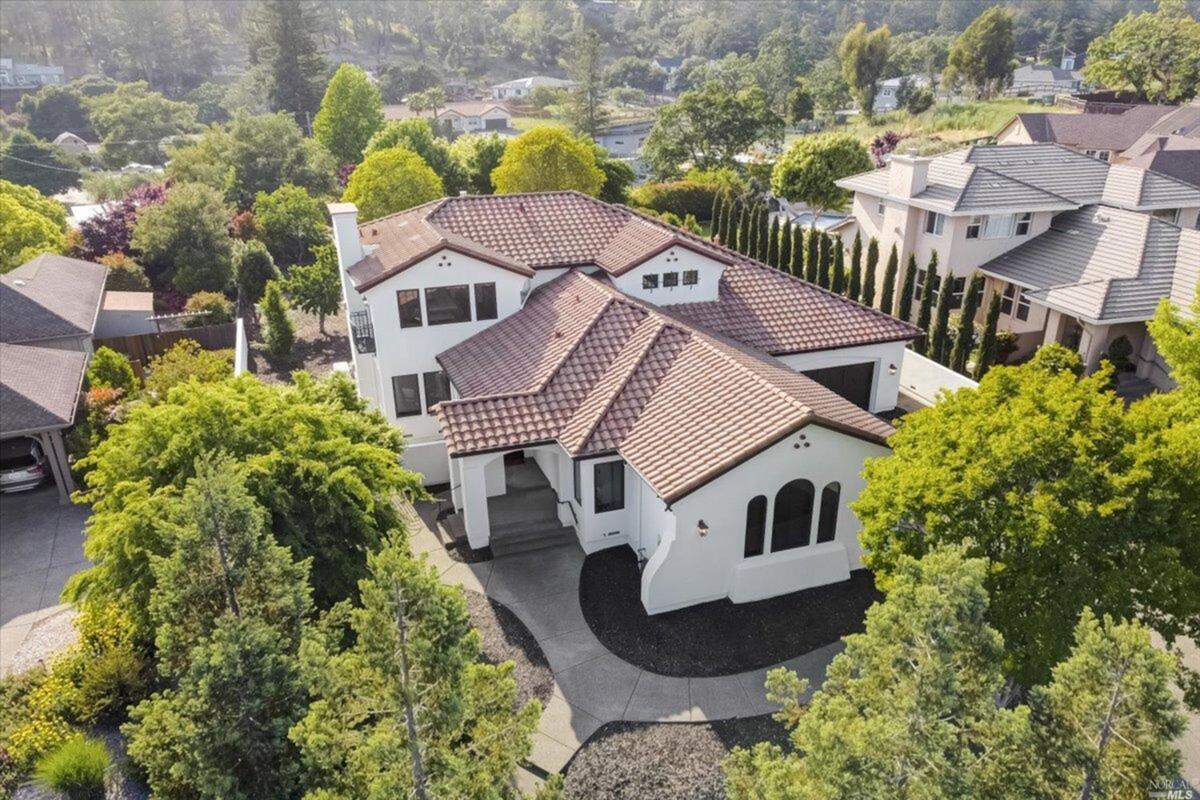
314 351
717 638
503 637
648 761
45 638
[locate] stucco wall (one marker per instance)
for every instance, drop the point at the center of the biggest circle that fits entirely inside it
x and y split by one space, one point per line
885 384
690 569
675 259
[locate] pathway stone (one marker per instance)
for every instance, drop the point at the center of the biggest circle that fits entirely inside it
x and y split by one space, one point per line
658 698
718 698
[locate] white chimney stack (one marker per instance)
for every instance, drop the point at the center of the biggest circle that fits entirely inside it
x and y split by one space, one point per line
345 234
908 174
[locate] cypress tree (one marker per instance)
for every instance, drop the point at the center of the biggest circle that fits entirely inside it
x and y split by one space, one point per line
854 288
772 256
796 264
987 344
868 285
925 311
939 337
966 325
785 247
837 278
763 231
823 260
743 239
811 260
717 206
905 301
728 221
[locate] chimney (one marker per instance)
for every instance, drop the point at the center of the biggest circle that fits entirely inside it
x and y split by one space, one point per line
345 234
908 174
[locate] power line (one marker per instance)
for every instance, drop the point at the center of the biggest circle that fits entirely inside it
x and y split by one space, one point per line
43 166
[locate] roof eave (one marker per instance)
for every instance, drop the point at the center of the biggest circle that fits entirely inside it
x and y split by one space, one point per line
432 251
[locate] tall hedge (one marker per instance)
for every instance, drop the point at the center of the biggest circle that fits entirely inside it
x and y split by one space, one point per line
679 197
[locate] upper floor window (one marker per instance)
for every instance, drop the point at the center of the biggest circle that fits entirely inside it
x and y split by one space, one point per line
485 301
1014 297
1022 306
756 526
1171 215
437 388
1024 221
880 207
1103 155
691 277
958 288
610 486
792 525
1007 298
975 226
448 304
935 223
650 281
409 301
406 393
998 226
670 279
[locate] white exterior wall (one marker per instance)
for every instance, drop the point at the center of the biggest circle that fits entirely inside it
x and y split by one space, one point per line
407 351
688 569
675 259
924 378
885 386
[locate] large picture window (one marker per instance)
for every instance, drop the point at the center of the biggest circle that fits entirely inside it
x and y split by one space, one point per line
409 302
437 389
610 486
406 391
485 301
831 496
448 304
756 526
792 525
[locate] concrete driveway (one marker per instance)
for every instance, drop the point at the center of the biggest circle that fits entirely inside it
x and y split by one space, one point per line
41 546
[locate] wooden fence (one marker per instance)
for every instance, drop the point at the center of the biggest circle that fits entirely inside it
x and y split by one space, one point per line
142 347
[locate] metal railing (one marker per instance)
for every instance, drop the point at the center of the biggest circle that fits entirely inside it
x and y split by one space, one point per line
362 331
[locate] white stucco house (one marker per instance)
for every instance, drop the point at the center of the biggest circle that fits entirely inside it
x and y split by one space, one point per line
520 88
1081 251
554 356
625 139
472 116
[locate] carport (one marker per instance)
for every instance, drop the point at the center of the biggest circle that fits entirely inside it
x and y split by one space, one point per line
39 395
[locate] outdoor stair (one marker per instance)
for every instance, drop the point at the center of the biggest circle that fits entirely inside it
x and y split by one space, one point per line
526 520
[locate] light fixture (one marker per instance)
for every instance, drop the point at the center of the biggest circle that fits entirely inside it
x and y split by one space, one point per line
702 528
891 369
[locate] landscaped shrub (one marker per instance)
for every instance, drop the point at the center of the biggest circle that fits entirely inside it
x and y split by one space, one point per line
214 306
183 362
280 334
124 274
1119 351
76 769
109 369
679 197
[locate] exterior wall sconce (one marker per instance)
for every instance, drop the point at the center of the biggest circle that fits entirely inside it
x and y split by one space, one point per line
891 369
702 529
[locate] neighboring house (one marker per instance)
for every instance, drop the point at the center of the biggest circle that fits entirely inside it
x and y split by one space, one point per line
465 117
125 314
555 357
669 64
26 75
1102 136
981 205
886 98
1042 79
625 139
70 143
520 88
1171 145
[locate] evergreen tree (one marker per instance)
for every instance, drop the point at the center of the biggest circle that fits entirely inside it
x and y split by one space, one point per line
796 263
729 223
785 247
939 335
854 287
868 283
987 343
744 227
824 259
965 337
812 260
837 280
908 289
764 231
772 249
887 296
281 332
408 709
294 62
925 310
585 110
718 206
317 287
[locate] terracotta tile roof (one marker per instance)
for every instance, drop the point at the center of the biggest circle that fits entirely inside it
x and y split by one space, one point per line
680 403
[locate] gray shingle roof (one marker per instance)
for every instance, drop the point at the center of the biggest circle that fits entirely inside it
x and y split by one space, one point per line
50 297
1094 131
39 387
1101 263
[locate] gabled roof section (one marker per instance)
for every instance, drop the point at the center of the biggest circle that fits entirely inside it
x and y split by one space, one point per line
1101 263
1094 131
50 297
1132 187
614 374
39 387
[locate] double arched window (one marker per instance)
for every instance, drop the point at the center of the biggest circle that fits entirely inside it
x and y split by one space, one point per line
792 523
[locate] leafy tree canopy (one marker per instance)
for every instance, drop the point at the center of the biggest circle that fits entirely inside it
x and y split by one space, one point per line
351 112
982 55
391 180
864 57
185 362
56 109
548 158
478 154
188 238
29 161
808 169
133 121
1177 338
1155 54
292 222
32 225
317 287
253 267
416 134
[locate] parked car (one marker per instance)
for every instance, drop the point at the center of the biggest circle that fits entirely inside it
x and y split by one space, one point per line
22 465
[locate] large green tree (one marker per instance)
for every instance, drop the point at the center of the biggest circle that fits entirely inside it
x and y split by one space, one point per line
709 127
407 709
416 134
133 122
1154 54
187 237
351 112
292 223
548 158
864 57
55 109
1177 337
808 169
325 469
290 48
585 111
32 225
317 287
478 154
982 55
29 161
391 180
1074 501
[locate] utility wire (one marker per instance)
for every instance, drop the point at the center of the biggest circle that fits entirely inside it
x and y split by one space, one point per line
43 166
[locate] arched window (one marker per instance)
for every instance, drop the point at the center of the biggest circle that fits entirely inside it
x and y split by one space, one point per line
756 525
831 495
793 516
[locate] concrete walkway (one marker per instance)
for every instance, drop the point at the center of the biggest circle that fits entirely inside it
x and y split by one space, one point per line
592 685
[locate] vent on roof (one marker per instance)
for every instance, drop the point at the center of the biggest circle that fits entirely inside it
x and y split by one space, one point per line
374 231
1100 217
18 282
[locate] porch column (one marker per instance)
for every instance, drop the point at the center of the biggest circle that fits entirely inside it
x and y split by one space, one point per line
1053 327
56 454
1091 345
474 500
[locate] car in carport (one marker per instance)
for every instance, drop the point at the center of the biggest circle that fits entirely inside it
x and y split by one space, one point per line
23 465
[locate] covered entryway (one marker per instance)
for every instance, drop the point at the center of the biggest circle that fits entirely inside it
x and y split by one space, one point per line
853 382
508 502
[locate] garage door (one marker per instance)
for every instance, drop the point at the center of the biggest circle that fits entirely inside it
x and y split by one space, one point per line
495 124
852 382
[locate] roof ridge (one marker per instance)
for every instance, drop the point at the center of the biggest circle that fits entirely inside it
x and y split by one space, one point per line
435 202
1023 183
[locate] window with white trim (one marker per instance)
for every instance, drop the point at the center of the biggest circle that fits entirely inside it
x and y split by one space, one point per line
1170 215
1022 306
998 226
935 223
1024 222
1006 299
975 226
880 207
